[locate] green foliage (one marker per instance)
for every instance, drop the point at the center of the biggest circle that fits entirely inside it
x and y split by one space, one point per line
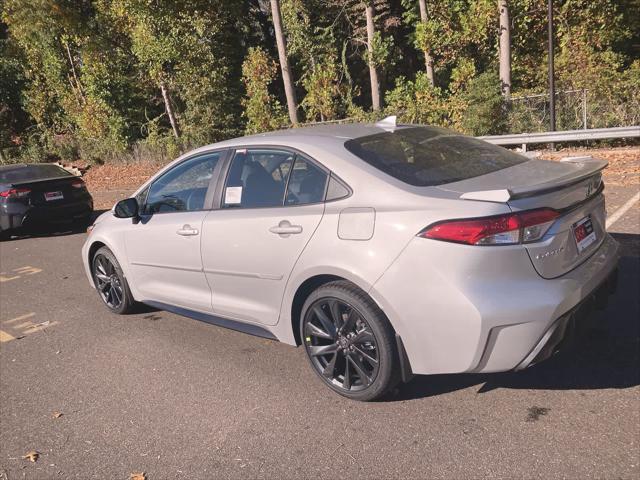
262 111
417 101
322 101
381 50
82 78
485 108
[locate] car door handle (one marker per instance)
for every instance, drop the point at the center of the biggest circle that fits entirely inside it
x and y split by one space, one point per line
187 231
285 228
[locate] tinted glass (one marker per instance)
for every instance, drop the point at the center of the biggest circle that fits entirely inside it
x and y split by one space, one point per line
306 184
21 173
184 187
257 178
426 156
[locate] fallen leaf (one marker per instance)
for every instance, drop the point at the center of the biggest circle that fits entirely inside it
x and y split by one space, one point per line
32 456
138 476
57 414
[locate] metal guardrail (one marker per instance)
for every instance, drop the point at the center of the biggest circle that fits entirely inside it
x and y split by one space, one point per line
525 139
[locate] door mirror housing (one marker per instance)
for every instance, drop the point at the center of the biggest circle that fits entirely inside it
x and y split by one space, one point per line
127 208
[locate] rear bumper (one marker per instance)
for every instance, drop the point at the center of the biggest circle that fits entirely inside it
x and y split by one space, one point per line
564 330
19 215
468 309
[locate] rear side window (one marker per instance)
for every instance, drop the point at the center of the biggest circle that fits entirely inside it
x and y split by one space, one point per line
184 187
307 183
428 156
22 173
257 178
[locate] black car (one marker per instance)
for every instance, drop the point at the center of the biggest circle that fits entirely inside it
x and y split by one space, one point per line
32 195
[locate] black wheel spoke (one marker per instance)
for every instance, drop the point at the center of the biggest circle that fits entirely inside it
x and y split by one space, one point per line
331 366
363 336
102 276
346 380
312 330
116 294
351 320
334 308
360 369
372 361
314 351
328 325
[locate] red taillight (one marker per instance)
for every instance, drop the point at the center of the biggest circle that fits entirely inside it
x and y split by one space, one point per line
508 229
77 184
15 193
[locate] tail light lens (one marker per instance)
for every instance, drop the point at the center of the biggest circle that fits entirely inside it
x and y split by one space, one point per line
77 184
509 229
15 193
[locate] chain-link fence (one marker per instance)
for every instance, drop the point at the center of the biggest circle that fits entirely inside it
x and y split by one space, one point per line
575 109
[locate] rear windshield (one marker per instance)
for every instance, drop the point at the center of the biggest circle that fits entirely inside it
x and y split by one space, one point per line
21 173
427 156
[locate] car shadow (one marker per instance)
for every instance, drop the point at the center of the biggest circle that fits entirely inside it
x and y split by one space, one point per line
53 229
606 357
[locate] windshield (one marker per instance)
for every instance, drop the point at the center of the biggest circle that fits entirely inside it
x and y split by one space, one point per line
21 173
428 156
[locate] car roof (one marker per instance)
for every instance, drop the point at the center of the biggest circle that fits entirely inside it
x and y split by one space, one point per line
331 135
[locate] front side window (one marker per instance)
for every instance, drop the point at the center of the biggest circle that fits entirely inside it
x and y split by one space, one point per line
184 187
427 156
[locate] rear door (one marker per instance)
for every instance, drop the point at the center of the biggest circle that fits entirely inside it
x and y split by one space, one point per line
272 203
163 248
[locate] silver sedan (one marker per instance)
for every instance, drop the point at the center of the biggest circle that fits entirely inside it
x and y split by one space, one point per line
384 250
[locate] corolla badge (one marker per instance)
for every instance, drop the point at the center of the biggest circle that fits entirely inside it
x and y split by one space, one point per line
550 253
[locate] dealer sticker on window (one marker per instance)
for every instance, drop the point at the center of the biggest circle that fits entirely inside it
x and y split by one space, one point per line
584 233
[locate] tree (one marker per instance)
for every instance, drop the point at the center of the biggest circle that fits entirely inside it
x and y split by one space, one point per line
505 48
262 110
428 60
373 73
289 89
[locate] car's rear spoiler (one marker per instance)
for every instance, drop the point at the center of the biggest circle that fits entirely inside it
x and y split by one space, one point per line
42 180
586 167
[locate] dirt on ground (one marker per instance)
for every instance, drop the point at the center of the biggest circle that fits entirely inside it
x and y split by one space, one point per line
113 181
624 162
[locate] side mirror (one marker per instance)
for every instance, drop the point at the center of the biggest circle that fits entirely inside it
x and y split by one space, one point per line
127 208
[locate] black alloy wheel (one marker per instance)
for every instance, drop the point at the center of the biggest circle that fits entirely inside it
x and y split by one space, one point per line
110 282
349 341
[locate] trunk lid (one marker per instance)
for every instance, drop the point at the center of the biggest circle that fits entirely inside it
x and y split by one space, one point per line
60 186
572 187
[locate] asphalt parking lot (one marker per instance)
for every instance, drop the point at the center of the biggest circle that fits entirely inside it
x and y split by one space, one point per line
176 398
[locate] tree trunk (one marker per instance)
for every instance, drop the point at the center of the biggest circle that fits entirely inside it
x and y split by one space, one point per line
169 109
505 48
428 60
75 76
284 62
373 74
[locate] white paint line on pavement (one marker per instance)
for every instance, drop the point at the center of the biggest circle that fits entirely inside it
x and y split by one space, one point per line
622 210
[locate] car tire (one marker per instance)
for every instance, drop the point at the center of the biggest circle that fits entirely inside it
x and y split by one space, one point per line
110 282
349 342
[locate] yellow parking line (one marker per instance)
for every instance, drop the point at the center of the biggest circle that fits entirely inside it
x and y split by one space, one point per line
24 325
5 337
21 317
39 327
6 279
27 270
